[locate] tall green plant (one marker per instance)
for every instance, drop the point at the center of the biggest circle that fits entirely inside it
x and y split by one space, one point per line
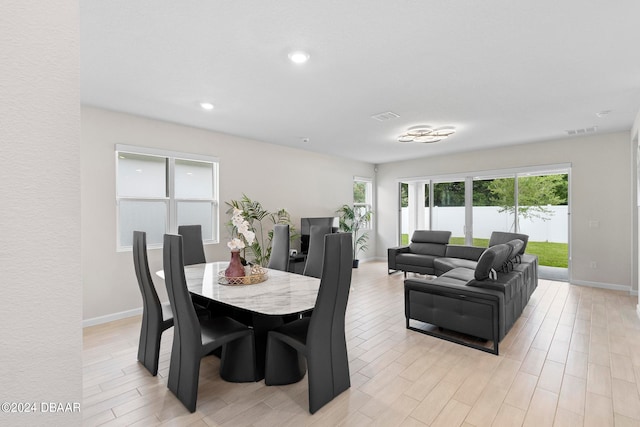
261 222
353 220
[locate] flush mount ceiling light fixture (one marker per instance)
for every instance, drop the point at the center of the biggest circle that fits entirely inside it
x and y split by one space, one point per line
426 134
299 57
206 106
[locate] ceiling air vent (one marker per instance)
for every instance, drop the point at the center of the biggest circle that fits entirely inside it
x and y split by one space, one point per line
383 117
591 129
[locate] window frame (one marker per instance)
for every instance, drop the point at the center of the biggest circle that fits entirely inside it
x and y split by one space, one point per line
170 200
368 204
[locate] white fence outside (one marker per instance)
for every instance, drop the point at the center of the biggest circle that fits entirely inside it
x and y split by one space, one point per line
487 219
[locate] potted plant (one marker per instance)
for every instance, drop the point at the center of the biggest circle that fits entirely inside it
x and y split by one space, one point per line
257 220
353 220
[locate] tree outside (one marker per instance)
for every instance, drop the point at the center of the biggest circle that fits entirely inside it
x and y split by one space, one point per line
534 193
359 192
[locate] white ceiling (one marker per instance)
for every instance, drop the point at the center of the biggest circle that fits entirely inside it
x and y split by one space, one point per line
501 71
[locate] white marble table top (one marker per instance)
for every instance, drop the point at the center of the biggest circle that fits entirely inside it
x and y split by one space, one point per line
282 293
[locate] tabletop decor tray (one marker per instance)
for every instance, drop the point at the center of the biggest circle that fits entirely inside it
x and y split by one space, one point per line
255 274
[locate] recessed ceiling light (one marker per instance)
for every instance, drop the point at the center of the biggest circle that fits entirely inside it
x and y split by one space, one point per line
206 106
299 57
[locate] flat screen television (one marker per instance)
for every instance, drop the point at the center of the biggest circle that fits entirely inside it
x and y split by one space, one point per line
305 226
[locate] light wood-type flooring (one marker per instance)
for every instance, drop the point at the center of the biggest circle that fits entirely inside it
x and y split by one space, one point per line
572 359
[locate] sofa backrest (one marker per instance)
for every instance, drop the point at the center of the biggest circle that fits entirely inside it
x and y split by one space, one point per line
429 242
431 236
471 253
499 237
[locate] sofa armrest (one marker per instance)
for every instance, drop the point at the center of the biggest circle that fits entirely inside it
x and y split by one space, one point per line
472 253
453 287
391 255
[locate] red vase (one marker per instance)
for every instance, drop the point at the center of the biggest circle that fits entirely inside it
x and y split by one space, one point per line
235 269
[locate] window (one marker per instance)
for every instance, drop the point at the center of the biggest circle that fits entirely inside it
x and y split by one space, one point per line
362 196
156 191
533 201
447 212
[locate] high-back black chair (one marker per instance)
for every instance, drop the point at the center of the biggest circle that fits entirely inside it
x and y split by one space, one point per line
156 317
193 247
313 265
279 259
194 339
317 341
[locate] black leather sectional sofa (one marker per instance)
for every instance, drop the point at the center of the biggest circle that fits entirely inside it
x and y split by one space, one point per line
478 291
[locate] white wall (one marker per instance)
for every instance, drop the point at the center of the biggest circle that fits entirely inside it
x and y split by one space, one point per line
305 183
40 308
600 188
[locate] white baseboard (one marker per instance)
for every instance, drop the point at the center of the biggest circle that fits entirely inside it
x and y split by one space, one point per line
371 259
111 317
601 285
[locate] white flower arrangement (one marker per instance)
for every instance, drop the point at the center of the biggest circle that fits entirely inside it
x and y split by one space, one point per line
241 229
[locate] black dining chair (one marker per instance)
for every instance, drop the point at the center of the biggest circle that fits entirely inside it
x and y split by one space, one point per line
313 265
156 317
317 341
279 259
193 247
194 339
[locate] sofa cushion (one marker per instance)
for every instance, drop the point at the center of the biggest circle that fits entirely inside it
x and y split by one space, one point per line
460 273
415 259
442 265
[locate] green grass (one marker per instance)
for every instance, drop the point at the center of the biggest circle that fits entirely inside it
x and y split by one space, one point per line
549 253
405 240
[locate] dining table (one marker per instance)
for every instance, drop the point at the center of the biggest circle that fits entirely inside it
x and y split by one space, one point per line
282 297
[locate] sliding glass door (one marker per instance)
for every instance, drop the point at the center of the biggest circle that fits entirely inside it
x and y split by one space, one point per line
529 201
414 209
493 207
448 209
543 215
